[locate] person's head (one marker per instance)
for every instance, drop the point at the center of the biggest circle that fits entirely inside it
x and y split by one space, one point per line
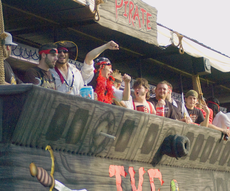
161 90
213 103
191 99
63 55
104 66
141 88
8 42
48 55
66 50
118 79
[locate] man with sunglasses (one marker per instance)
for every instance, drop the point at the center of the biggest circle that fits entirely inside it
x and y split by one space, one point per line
41 75
67 77
10 77
100 77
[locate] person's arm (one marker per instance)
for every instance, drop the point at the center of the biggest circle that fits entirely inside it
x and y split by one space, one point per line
111 45
206 119
126 92
225 131
6 83
154 110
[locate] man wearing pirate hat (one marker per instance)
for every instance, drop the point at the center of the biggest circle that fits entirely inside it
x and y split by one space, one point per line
10 77
41 75
67 77
100 77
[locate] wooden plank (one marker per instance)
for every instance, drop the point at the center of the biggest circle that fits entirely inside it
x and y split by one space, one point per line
72 124
134 18
92 173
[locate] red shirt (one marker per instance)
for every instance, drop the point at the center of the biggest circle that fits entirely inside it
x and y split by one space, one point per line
204 114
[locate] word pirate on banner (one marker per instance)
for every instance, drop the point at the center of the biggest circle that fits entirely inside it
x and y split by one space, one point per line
134 13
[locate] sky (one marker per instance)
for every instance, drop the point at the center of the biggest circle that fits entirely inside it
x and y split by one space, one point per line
206 21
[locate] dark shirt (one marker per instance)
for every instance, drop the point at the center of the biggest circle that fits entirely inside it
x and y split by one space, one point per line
169 110
196 115
9 74
40 77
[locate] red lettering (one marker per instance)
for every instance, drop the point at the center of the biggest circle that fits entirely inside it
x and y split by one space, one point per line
143 15
148 21
118 7
136 14
126 3
131 6
117 171
141 179
154 173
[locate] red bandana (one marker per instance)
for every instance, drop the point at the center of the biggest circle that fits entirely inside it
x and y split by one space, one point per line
104 89
214 104
59 74
48 51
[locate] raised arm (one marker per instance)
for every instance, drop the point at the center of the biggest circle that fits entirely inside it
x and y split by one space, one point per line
111 45
126 92
206 119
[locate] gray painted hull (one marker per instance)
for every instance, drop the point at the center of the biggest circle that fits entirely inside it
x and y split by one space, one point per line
33 117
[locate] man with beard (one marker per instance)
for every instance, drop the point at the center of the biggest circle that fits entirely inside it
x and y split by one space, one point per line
40 75
100 77
161 92
141 92
68 78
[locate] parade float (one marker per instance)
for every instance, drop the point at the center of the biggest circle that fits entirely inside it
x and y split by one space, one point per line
71 143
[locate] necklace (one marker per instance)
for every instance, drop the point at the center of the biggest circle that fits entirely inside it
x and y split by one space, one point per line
63 80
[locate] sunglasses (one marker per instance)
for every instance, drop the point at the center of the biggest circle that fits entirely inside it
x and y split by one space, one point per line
64 51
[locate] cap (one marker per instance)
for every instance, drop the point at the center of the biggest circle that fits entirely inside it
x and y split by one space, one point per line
71 46
9 40
191 93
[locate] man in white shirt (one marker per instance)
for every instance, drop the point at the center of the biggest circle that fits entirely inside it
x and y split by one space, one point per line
68 78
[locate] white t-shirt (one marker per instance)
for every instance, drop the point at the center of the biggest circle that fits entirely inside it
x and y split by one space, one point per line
221 120
73 81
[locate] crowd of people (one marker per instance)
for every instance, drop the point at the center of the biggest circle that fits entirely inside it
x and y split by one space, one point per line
55 72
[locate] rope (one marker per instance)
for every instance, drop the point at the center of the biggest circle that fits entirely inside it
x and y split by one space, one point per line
53 166
96 11
2 71
179 45
197 87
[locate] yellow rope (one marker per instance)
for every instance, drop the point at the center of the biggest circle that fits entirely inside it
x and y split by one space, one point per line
53 166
